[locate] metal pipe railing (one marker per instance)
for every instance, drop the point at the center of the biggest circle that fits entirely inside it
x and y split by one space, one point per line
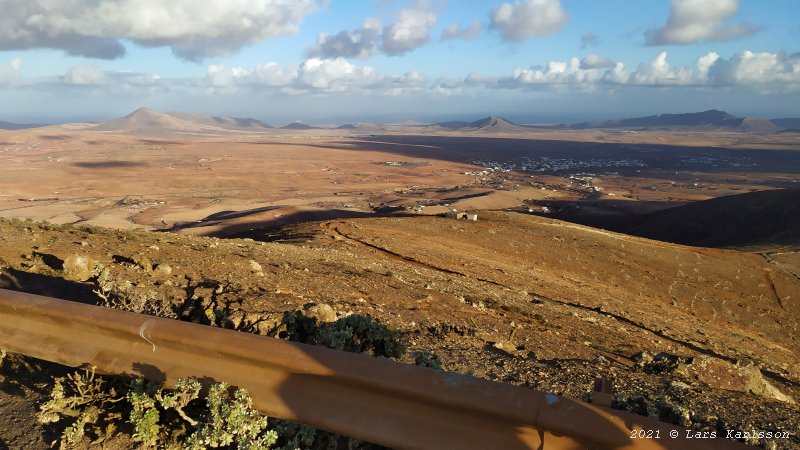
373 399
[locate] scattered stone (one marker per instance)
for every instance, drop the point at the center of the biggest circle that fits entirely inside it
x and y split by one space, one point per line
662 363
740 377
255 267
679 385
501 348
78 267
714 372
143 262
163 270
323 312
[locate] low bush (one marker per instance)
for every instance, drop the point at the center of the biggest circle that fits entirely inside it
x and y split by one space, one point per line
355 333
89 407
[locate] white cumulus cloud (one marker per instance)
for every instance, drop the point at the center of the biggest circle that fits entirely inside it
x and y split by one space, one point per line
314 75
193 30
555 74
85 76
747 71
705 62
778 72
659 72
410 31
529 18
596 62
10 73
332 75
766 72
358 43
699 20
274 74
760 72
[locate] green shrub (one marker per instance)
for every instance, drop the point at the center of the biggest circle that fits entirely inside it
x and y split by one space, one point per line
88 406
424 358
84 400
355 333
123 295
144 415
232 420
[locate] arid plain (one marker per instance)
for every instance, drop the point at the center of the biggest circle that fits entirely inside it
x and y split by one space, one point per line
221 182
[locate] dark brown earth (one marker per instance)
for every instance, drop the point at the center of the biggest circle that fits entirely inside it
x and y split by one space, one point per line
765 218
512 297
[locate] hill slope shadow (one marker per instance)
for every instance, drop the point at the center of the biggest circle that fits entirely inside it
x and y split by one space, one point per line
756 218
655 156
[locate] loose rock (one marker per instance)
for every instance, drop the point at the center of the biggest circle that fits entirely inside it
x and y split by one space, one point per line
78 267
322 312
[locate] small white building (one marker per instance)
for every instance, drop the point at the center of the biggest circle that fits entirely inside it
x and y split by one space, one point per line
472 217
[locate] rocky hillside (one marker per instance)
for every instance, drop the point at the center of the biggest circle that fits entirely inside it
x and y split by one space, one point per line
701 337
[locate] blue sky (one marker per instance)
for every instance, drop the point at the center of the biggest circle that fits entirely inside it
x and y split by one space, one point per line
383 60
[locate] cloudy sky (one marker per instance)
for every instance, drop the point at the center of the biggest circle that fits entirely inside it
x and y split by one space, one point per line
334 61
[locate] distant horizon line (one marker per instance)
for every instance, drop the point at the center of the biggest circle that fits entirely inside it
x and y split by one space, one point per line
408 121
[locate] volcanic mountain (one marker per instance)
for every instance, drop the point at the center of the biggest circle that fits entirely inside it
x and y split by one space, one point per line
230 123
492 124
364 127
496 124
788 123
149 122
15 126
297 126
453 125
706 120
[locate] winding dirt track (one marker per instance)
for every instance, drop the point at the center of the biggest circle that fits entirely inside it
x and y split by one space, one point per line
701 276
336 233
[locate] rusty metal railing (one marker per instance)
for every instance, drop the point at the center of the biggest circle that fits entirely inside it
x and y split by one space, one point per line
374 399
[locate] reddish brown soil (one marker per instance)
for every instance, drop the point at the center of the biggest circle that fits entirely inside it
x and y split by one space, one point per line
512 297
